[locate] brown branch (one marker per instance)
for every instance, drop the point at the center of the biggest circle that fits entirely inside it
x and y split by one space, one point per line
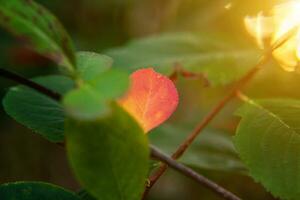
24 81
155 152
220 191
209 117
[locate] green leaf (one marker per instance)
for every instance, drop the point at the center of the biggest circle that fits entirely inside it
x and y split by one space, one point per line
35 191
212 150
84 195
268 142
35 24
36 111
91 64
99 84
219 60
91 99
85 103
109 156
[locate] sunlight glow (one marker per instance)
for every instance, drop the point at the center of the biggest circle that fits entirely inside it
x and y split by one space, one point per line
228 6
268 29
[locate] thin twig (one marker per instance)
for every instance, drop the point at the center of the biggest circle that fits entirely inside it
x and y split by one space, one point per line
155 152
209 117
220 191
24 81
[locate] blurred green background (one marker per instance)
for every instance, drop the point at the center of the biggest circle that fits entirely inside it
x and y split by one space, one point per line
97 25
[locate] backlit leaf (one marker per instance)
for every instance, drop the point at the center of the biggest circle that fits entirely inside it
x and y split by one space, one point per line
151 99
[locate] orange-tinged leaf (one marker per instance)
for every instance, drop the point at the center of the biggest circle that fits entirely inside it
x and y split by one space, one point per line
151 99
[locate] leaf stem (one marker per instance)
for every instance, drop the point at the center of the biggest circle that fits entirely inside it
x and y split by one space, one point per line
155 152
225 194
24 81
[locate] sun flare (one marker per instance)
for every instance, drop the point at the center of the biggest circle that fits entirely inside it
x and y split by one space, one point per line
282 21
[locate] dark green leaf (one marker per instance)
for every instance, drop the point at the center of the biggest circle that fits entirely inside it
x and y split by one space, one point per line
219 60
268 141
84 195
32 22
109 156
37 111
34 191
212 150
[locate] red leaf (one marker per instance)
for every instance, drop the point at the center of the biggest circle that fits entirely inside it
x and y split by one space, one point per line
151 99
